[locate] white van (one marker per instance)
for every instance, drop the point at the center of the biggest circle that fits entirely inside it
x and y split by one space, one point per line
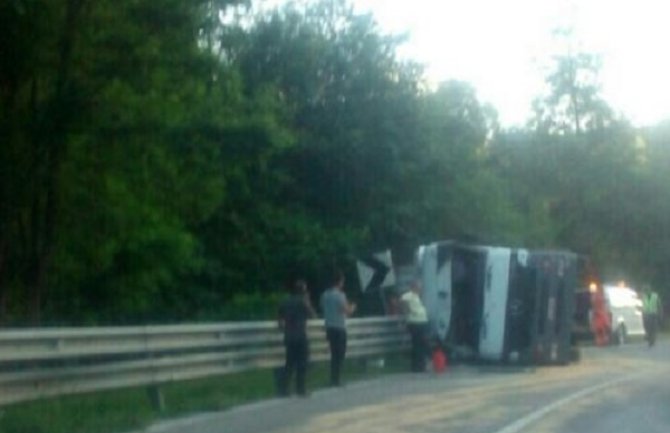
625 308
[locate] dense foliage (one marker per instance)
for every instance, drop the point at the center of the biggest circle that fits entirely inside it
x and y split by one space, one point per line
166 160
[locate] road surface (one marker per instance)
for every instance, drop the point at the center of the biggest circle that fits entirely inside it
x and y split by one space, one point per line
617 389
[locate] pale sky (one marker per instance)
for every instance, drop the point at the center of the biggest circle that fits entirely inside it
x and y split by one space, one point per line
503 47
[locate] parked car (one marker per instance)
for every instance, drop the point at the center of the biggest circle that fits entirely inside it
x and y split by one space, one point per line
625 308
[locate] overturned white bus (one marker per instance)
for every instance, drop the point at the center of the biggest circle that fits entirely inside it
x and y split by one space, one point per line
499 304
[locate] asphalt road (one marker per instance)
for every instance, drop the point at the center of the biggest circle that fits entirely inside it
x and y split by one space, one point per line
617 389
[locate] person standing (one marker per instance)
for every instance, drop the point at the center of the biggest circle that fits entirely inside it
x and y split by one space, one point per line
293 316
601 323
417 325
336 308
651 313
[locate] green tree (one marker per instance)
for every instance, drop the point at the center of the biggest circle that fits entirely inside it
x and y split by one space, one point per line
463 197
582 166
351 105
102 124
574 103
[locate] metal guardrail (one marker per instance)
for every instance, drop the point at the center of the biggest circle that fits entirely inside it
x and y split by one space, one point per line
39 363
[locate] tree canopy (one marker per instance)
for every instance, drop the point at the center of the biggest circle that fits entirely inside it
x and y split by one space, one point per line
166 160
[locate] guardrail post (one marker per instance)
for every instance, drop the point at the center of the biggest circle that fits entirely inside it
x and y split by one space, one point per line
363 363
156 398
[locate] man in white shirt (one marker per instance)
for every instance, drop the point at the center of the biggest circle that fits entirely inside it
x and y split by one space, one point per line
336 308
417 324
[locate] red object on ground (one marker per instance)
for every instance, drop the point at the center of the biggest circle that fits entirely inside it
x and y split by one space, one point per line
439 361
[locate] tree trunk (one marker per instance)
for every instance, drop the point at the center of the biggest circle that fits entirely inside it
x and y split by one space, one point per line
4 290
55 136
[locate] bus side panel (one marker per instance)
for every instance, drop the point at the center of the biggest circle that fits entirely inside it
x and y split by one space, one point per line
444 304
492 332
468 269
563 330
521 310
434 262
556 278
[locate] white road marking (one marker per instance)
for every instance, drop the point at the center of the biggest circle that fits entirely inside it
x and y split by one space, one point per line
520 424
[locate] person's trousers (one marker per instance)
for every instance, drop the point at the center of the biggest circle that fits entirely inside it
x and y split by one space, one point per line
418 334
650 322
297 358
337 340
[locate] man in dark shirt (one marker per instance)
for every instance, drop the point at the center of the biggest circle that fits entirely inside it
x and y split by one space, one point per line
293 316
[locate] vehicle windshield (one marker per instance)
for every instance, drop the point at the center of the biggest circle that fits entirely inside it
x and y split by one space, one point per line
623 297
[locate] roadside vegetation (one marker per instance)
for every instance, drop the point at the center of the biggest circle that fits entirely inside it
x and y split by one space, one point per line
167 161
126 410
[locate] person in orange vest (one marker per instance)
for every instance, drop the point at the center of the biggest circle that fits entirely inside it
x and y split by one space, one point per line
600 319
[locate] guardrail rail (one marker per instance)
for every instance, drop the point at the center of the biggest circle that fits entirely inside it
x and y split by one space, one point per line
39 363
